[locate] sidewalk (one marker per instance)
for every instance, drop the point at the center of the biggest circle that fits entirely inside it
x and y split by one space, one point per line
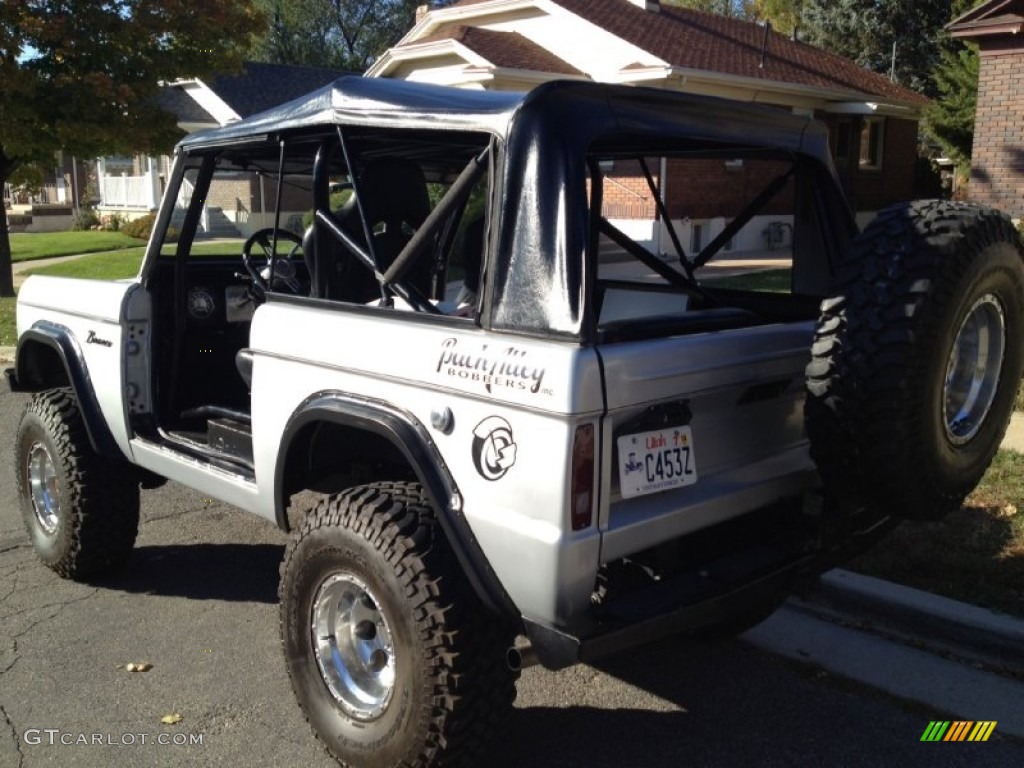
1014 439
953 657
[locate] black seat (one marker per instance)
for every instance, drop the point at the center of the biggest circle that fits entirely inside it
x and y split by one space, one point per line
394 197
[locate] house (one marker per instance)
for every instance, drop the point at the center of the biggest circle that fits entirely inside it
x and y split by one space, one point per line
997 159
516 44
49 206
132 186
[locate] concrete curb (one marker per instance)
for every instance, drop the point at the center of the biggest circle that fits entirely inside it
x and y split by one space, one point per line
921 619
1014 438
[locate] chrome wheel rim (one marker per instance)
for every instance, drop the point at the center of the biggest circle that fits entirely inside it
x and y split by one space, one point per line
353 646
972 373
42 483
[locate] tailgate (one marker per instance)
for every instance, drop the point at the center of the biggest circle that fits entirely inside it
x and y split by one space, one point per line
710 426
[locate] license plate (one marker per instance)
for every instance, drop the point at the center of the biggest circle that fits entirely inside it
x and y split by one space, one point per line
656 461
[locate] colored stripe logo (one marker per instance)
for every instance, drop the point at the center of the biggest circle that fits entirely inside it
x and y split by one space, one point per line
958 730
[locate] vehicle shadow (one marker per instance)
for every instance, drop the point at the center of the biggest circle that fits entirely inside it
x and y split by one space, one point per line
680 697
727 705
230 572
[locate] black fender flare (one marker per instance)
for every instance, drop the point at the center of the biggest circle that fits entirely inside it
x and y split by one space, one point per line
62 341
407 434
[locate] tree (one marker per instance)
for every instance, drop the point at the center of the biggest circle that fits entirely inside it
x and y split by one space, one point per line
949 119
300 32
866 31
344 34
82 76
741 9
783 15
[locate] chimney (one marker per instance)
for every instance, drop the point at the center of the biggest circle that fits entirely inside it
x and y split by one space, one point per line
421 12
648 5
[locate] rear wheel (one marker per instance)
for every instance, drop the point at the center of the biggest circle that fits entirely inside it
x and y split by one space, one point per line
918 358
81 509
392 657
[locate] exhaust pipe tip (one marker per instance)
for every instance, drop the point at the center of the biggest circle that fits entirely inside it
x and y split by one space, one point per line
520 656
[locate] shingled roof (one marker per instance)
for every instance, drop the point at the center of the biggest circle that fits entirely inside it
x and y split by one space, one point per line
996 17
503 49
708 42
260 86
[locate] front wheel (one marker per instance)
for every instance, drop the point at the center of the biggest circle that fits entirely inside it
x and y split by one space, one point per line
81 509
390 654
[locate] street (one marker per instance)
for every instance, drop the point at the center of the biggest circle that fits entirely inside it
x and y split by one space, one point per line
199 604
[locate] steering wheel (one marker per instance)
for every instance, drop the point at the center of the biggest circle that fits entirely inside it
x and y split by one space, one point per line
284 267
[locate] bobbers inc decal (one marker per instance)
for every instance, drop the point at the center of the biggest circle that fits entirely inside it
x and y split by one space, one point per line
495 368
494 449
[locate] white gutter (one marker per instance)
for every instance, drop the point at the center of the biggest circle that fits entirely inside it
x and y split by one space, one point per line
762 90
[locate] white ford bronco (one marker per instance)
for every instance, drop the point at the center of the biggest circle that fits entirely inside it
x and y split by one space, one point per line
503 419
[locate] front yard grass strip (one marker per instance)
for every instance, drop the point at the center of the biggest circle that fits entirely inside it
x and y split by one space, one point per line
46 245
770 280
975 555
8 330
112 265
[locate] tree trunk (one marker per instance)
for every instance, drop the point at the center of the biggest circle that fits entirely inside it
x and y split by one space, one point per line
7 166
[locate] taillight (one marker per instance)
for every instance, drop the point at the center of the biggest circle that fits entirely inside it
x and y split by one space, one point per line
582 489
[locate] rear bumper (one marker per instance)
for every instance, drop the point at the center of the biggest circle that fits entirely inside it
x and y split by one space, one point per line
557 649
691 600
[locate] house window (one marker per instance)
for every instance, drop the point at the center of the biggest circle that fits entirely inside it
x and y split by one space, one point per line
872 137
697 237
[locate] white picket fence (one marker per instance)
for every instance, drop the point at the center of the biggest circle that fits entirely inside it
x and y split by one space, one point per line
127 192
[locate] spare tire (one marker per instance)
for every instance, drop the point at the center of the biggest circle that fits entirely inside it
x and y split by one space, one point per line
917 358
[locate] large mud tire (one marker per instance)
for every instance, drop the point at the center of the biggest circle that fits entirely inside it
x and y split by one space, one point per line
81 509
917 358
411 670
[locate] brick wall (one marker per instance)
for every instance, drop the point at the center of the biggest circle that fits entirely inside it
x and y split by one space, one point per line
705 189
894 183
871 190
626 192
997 161
229 193
241 193
697 189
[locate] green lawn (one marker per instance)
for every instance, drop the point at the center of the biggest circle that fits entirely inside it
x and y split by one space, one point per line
975 554
45 245
108 265
116 265
770 280
8 332
112 265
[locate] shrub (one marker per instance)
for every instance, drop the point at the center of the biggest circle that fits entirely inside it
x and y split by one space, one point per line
140 227
111 222
84 219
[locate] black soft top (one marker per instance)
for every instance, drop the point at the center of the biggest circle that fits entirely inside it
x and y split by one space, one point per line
595 107
537 241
